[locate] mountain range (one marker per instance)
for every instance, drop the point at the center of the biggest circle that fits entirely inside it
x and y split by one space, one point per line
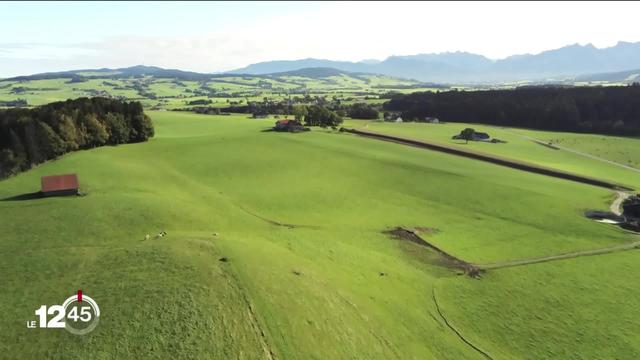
574 63
463 67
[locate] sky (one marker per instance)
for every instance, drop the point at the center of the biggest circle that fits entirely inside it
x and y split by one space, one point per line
38 37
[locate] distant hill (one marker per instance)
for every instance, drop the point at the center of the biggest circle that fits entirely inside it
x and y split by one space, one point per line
159 88
629 76
314 72
157 72
139 70
462 67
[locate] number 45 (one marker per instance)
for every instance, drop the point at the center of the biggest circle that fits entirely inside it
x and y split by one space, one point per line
84 316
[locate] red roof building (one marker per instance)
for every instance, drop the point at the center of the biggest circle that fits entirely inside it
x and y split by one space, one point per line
60 185
288 125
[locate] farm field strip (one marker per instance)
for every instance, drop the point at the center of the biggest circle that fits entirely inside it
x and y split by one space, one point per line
519 149
489 158
577 152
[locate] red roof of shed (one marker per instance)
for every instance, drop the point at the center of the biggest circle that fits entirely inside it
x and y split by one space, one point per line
59 182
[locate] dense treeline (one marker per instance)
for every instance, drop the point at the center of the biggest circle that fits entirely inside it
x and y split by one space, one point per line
14 103
605 110
362 111
32 136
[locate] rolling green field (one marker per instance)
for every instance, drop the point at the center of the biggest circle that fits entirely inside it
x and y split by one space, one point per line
308 272
167 93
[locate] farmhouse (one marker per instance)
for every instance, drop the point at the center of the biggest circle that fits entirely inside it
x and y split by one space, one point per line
631 207
59 185
477 136
392 116
289 125
480 136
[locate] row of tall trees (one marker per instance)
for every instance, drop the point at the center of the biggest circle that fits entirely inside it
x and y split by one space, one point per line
605 110
32 136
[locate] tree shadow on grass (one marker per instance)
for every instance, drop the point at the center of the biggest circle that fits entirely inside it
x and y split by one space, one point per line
24 197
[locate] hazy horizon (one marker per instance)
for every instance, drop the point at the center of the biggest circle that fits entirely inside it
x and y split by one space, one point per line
218 37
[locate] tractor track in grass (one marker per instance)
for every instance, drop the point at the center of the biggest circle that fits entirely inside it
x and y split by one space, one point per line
518 165
455 330
570 255
274 222
581 153
254 321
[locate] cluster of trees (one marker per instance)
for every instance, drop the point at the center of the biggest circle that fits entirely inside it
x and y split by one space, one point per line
605 110
316 115
260 108
77 79
200 102
14 103
362 111
207 110
32 136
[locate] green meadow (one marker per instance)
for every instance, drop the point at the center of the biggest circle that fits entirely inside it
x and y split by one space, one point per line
275 250
520 146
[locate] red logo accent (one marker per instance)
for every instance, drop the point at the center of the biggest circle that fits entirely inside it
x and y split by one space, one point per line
79 295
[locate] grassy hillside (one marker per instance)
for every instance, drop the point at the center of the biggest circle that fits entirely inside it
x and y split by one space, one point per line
309 275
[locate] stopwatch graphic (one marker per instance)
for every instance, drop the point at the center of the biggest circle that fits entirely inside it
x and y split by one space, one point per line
79 314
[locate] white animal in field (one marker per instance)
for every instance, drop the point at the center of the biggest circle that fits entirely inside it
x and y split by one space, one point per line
147 237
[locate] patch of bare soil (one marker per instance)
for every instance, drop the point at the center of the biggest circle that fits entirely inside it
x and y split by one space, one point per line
448 260
425 230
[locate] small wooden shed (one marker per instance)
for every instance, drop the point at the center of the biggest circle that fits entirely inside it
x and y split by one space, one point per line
59 185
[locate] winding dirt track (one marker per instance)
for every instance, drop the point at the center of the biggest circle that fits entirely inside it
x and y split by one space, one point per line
616 205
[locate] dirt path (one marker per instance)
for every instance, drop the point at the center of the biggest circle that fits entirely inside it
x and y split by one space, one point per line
456 331
571 255
491 159
616 205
